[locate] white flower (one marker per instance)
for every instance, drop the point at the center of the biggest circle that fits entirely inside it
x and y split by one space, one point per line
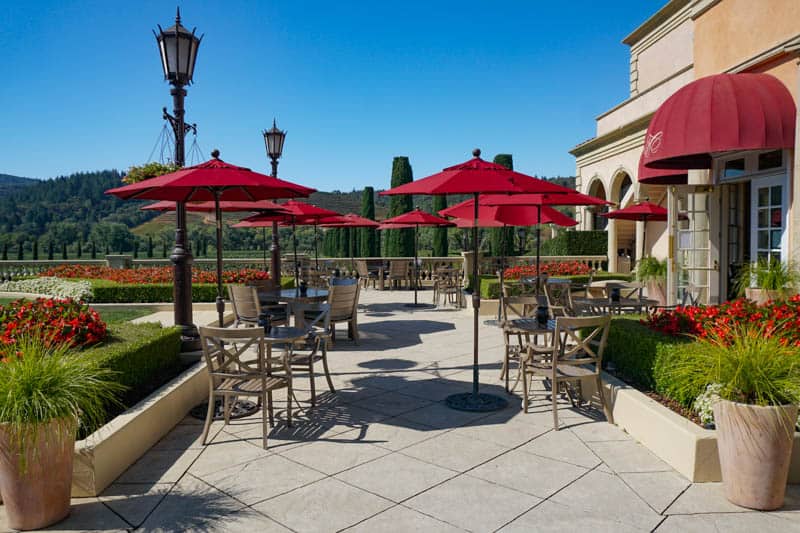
50 286
704 403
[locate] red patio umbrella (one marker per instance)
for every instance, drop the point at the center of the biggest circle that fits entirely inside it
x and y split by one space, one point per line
215 180
415 219
477 177
298 213
262 206
350 220
643 211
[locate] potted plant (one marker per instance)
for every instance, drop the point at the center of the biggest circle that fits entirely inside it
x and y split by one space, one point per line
46 391
765 280
653 273
756 376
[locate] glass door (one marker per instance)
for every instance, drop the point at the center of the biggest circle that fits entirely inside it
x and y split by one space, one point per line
693 254
768 213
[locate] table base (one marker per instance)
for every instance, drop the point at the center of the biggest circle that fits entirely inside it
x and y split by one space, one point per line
240 409
481 402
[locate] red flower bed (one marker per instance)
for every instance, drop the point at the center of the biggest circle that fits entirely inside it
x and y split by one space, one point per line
572 268
150 275
781 319
56 321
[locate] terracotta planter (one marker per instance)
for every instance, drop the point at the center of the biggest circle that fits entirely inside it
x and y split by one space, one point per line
755 448
761 296
655 290
38 494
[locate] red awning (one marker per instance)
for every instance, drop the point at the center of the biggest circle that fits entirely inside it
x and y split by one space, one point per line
720 113
662 176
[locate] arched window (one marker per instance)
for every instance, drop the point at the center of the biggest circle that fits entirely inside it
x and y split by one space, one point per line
598 191
624 187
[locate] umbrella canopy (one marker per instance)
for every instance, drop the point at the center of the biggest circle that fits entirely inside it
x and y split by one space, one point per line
641 211
414 219
477 177
350 220
570 198
225 205
204 181
216 181
509 215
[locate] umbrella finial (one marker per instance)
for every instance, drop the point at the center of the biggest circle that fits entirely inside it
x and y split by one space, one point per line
476 152
215 153
177 15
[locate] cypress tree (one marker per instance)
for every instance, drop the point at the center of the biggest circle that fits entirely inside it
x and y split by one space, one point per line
343 242
80 248
400 242
369 236
93 250
439 234
50 251
501 240
136 249
149 246
164 249
36 249
21 251
64 251
108 249
205 248
5 251
329 243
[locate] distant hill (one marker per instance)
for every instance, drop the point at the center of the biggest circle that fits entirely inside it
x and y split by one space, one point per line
10 183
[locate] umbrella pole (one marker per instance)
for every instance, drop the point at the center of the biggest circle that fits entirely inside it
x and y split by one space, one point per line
296 266
416 262
264 238
352 249
538 247
644 240
220 302
316 249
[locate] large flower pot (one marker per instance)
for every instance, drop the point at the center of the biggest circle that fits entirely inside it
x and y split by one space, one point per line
655 291
761 296
35 487
755 448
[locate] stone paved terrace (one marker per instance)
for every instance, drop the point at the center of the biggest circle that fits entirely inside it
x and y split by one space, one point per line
384 454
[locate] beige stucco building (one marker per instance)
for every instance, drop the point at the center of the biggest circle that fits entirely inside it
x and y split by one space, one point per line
732 213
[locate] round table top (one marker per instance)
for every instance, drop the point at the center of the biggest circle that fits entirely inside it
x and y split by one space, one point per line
285 333
293 295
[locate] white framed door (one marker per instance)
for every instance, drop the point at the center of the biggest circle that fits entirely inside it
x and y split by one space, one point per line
769 218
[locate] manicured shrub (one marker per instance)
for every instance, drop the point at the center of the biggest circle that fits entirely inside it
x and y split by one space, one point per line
593 242
571 268
51 286
54 321
110 292
151 275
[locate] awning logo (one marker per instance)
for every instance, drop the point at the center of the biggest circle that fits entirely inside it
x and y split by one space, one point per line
653 143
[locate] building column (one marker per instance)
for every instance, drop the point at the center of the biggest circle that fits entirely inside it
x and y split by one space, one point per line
611 230
793 169
672 222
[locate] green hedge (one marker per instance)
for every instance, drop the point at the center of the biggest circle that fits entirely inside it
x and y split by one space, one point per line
490 285
145 356
109 292
640 355
593 242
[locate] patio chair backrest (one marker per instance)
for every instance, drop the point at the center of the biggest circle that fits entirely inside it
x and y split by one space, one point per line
263 286
362 269
559 297
245 303
343 282
519 307
628 290
224 348
581 341
398 269
343 300
313 317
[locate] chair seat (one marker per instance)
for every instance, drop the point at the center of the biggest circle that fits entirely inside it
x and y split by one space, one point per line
562 371
251 385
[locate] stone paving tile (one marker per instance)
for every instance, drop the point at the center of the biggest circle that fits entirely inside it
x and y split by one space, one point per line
334 457
508 428
658 489
628 456
456 452
134 501
157 466
192 505
746 522
703 498
553 517
434 389
392 403
327 505
396 476
537 476
400 519
562 446
393 433
86 514
592 431
441 417
472 504
607 496
219 456
261 479
187 436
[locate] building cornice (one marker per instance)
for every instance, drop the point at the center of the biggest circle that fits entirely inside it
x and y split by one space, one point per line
701 6
646 91
615 135
655 21
790 46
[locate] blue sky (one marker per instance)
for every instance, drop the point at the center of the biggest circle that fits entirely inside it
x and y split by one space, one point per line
353 82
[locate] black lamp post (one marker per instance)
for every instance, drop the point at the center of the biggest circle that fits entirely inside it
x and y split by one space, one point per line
178 48
273 140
